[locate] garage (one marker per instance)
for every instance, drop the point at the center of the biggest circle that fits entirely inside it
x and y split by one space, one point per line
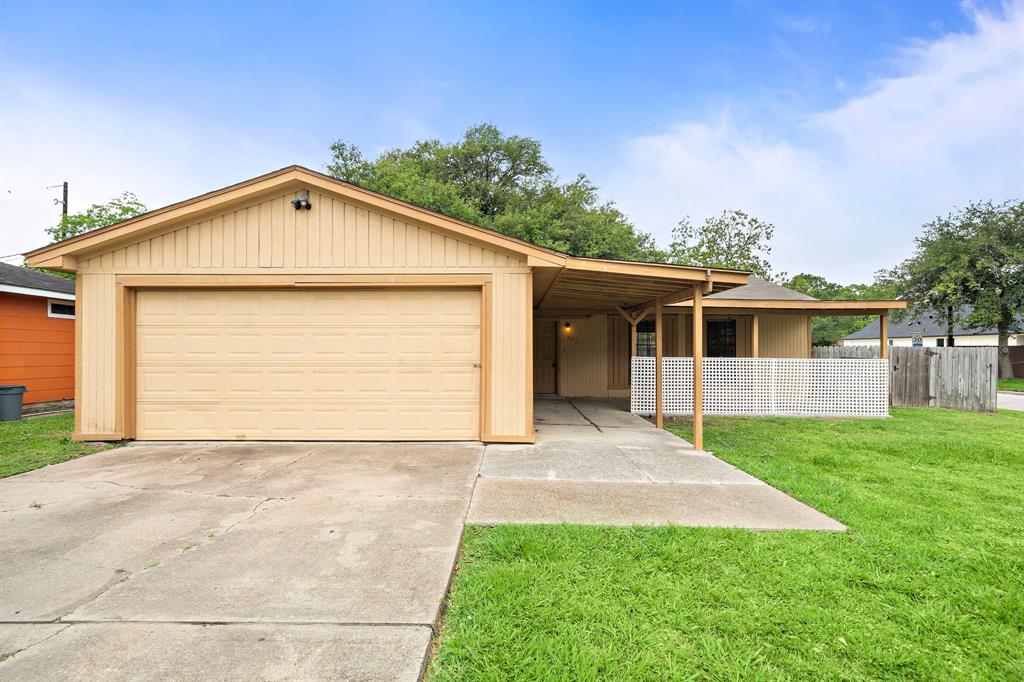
295 306
320 364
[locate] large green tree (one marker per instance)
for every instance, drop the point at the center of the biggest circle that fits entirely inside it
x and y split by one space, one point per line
96 216
733 239
972 256
502 182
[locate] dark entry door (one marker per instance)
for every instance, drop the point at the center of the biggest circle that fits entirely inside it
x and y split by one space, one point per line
721 338
545 340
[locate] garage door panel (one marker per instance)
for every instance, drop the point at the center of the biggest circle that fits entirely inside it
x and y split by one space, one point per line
321 364
313 421
208 382
315 345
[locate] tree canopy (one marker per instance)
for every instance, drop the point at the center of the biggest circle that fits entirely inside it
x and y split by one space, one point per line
96 216
733 240
502 182
972 256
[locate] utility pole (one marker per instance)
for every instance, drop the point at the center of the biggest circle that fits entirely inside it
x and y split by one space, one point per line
63 202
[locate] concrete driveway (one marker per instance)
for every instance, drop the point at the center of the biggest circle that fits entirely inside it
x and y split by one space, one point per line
313 560
231 561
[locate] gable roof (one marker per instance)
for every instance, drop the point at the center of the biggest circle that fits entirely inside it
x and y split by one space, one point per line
930 324
757 289
666 278
26 278
288 178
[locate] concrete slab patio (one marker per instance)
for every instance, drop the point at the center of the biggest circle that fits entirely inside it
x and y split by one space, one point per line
315 560
599 464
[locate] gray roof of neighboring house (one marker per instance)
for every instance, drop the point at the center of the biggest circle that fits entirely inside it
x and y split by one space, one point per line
929 325
15 276
757 289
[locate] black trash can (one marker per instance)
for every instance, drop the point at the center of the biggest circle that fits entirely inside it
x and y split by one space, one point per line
10 402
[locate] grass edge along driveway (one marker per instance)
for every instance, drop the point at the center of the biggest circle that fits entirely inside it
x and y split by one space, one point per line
928 583
28 444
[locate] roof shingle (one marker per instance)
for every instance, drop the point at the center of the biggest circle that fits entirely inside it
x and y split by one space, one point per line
15 276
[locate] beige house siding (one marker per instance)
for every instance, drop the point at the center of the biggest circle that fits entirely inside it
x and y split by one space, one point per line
583 357
585 369
337 237
271 234
784 336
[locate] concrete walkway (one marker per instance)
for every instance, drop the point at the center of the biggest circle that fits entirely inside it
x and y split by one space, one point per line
1010 400
314 560
594 463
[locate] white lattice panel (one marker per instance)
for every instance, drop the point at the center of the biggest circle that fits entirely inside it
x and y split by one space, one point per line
767 386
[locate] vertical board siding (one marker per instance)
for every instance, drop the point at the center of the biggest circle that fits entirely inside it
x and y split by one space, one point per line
335 235
271 234
98 352
784 336
583 357
508 361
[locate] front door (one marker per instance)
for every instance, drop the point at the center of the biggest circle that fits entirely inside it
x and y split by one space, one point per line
545 356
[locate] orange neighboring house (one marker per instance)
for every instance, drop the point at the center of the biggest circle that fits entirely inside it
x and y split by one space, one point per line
37 333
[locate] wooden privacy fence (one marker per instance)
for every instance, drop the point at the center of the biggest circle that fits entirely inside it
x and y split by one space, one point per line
1017 360
841 352
959 378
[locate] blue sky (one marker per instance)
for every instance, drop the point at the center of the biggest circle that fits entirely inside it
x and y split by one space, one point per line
847 124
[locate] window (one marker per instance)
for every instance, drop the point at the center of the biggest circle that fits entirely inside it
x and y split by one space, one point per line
645 341
721 338
940 342
64 309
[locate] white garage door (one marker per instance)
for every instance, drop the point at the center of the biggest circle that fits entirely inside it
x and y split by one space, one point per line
308 365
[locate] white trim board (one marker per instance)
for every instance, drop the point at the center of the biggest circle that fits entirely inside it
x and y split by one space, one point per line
42 293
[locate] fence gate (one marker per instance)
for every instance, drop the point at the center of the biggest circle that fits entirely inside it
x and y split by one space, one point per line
959 378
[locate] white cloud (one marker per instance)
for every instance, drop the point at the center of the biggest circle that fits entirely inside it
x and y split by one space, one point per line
850 189
805 25
52 131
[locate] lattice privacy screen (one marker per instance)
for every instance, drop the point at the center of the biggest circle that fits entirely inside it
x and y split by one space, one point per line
767 386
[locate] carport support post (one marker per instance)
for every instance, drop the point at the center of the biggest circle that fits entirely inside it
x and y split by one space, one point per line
883 336
755 336
659 416
698 366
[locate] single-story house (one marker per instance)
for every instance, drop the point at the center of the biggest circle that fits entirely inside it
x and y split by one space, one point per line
932 330
37 333
295 306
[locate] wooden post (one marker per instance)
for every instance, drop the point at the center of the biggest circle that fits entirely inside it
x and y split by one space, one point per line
755 336
698 367
659 416
810 338
883 336
632 338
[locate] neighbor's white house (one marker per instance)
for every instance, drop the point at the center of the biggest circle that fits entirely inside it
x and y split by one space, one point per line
932 330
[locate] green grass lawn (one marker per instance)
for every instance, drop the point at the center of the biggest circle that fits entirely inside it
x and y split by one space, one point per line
1014 384
928 583
32 443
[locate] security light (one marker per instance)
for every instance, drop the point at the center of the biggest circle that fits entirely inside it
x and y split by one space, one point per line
302 202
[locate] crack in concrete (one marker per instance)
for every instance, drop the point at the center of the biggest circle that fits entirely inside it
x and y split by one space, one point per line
12 654
274 470
622 452
250 516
